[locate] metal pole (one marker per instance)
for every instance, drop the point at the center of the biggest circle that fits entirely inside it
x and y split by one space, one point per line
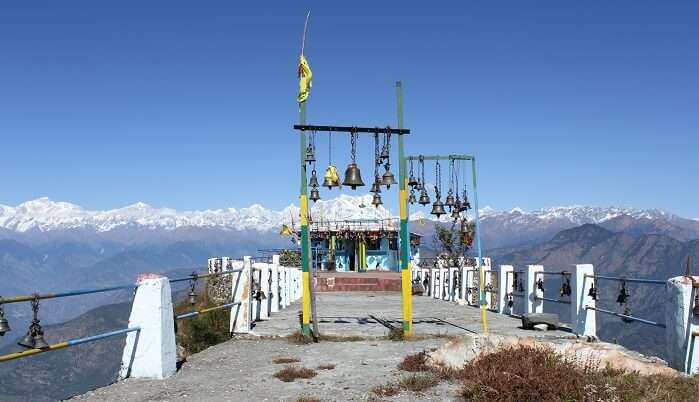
305 243
406 286
483 302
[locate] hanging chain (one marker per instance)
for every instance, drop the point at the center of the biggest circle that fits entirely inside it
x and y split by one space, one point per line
422 170
353 141
330 147
35 307
376 153
451 174
456 177
411 168
438 185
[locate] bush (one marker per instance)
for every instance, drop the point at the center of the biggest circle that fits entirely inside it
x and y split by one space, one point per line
289 374
200 332
414 363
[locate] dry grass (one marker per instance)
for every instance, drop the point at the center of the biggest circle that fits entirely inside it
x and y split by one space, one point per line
298 338
386 390
419 382
307 399
414 363
285 360
326 367
396 334
538 374
289 374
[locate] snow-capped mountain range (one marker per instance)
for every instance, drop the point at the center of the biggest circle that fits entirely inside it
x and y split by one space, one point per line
45 215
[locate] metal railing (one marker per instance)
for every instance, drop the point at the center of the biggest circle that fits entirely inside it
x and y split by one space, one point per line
626 316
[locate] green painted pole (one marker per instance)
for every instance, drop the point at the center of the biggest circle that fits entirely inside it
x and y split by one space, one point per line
305 243
406 285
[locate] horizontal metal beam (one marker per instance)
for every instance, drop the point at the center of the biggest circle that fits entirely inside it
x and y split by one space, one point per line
205 275
440 157
552 300
204 311
552 273
630 280
629 317
26 298
352 129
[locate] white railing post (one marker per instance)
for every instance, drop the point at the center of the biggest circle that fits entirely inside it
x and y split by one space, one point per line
151 352
680 324
241 286
265 286
452 281
287 287
505 283
531 292
584 320
274 292
443 283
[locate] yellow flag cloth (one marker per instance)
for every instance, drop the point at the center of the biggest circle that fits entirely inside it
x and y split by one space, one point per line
286 231
305 79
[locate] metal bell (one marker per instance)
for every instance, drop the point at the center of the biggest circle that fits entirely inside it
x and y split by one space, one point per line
4 326
438 208
39 341
450 201
411 198
376 201
695 310
353 177
376 187
412 181
424 198
465 205
385 153
388 177
455 213
331 178
315 194
418 186
310 154
27 341
314 179
192 298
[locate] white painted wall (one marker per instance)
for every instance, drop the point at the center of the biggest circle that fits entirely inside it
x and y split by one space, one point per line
532 304
680 322
240 290
584 321
505 286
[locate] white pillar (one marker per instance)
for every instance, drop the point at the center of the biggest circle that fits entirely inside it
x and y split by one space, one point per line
680 322
453 293
265 286
240 291
287 287
470 291
275 291
254 303
151 352
487 280
443 283
436 283
505 286
532 304
463 278
584 320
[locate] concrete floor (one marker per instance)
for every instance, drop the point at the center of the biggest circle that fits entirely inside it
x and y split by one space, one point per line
242 369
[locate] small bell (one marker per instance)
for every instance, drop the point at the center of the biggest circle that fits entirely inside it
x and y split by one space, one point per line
411 198
376 186
39 341
438 208
455 214
412 181
418 186
314 179
449 201
695 310
623 294
353 176
388 177
315 194
4 324
540 284
331 178
592 293
424 198
310 154
28 340
192 298
465 205
385 152
376 201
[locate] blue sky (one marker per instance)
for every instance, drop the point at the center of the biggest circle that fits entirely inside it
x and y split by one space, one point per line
190 104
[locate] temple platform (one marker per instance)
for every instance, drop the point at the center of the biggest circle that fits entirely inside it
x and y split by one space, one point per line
369 281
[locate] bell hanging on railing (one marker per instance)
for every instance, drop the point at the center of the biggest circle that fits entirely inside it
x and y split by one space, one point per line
4 324
27 340
314 179
418 186
455 214
411 197
412 181
376 186
376 201
449 201
331 178
438 207
424 197
310 154
315 194
464 206
192 298
623 294
695 310
388 178
353 177
39 341
592 293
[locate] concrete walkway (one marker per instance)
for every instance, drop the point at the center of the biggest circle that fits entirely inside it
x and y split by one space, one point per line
242 369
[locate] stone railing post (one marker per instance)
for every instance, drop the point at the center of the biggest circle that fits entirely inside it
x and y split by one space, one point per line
453 291
443 283
240 291
584 320
275 301
531 292
265 278
469 273
151 352
505 284
681 324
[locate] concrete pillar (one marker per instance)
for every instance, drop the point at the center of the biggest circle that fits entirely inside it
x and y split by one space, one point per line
487 280
505 286
532 304
680 324
584 321
463 279
265 277
436 283
254 303
240 290
151 352
443 283
275 301
453 292
287 287
470 291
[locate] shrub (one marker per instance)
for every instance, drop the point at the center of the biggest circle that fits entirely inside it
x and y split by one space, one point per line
289 374
200 332
284 360
386 390
414 363
419 382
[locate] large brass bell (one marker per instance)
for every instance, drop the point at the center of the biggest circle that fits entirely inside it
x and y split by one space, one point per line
438 208
424 197
411 198
313 182
353 177
388 177
331 178
376 201
315 194
376 186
